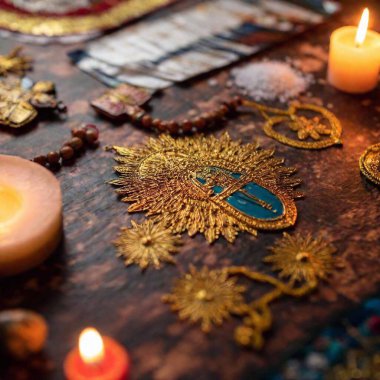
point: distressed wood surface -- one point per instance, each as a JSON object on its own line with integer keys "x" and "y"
{"x": 84, "y": 284}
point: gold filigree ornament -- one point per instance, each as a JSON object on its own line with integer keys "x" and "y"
{"x": 369, "y": 163}
{"x": 147, "y": 244}
{"x": 320, "y": 131}
{"x": 214, "y": 186}
{"x": 15, "y": 63}
{"x": 21, "y": 99}
{"x": 209, "y": 296}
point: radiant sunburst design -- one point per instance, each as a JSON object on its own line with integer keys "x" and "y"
{"x": 147, "y": 244}
{"x": 205, "y": 296}
{"x": 302, "y": 258}
{"x": 207, "y": 185}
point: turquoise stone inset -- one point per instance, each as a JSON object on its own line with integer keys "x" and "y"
{"x": 252, "y": 199}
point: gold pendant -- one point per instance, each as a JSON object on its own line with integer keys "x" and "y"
{"x": 214, "y": 186}
{"x": 321, "y": 131}
{"x": 209, "y": 297}
{"x": 369, "y": 163}
{"x": 20, "y": 100}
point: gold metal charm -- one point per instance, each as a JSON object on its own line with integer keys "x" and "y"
{"x": 14, "y": 63}
{"x": 214, "y": 186}
{"x": 369, "y": 163}
{"x": 318, "y": 132}
{"x": 147, "y": 244}
{"x": 211, "y": 296}
{"x": 19, "y": 103}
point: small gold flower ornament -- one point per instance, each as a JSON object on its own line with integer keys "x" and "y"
{"x": 147, "y": 244}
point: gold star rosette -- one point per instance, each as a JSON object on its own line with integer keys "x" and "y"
{"x": 321, "y": 130}
{"x": 208, "y": 185}
{"x": 147, "y": 244}
{"x": 369, "y": 163}
{"x": 211, "y": 296}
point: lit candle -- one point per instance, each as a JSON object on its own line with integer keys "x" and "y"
{"x": 97, "y": 358}
{"x": 30, "y": 214}
{"x": 354, "y": 60}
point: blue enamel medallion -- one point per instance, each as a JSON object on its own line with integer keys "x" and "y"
{"x": 251, "y": 199}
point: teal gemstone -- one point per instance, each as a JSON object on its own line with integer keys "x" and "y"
{"x": 252, "y": 199}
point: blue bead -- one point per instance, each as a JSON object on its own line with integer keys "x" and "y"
{"x": 373, "y": 305}
{"x": 335, "y": 352}
{"x": 364, "y": 330}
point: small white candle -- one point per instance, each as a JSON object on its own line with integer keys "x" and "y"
{"x": 30, "y": 214}
{"x": 354, "y": 60}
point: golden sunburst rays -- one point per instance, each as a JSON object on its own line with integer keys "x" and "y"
{"x": 188, "y": 183}
{"x": 147, "y": 244}
{"x": 206, "y": 296}
{"x": 302, "y": 258}
{"x": 209, "y": 297}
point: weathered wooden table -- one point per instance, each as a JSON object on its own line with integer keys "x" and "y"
{"x": 85, "y": 284}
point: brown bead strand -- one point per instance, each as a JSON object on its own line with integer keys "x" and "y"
{"x": 87, "y": 135}
{"x": 196, "y": 124}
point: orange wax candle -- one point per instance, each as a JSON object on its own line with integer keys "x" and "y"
{"x": 30, "y": 214}
{"x": 97, "y": 358}
{"x": 354, "y": 60}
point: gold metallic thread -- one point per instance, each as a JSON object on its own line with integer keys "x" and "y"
{"x": 159, "y": 178}
{"x": 209, "y": 297}
{"x": 40, "y": 25}
{"x": 369, "y": 163}
{"x": 321, "y": 135}
{"x": 147, "y": 244}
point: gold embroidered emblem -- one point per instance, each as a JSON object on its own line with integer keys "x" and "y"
{"x": 214, "y": 186}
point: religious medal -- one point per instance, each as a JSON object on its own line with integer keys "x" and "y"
{"x": 209, "y": 297}
{"x": 370, "y": 163}
{"x": 214, "y": 186}
{"x": 21, "y": 99}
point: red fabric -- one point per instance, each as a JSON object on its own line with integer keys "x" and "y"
{"x": 98, "y": 7}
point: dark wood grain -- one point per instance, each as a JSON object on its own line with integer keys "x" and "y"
{"x": 85, "y": 284}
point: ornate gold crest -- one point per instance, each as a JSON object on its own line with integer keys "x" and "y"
{"x": 209, "y": 297}
{"x": 320, "y": 131}
{"x": 370, "y": 163}
{"x": 20, "y": 100}
{"x": 147, "y": 244}
{"x": 214, "y": 186}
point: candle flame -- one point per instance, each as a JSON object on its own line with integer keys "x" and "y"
{"x": 362, "y": 29}
{"x": 91, "y": 346}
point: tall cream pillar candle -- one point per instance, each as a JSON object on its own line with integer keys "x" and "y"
{"x": 354, "y": 60}
{"x": 30, "y": 214}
